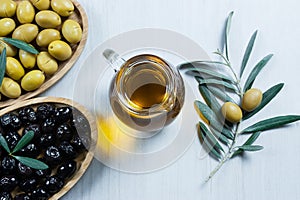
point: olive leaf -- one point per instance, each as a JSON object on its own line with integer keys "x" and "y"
{"x": 248, "y": 52}
{"x": 21, "y": 45}
{"x": 2, "y": 65}
{"x": 212, "y": 118}
{"x": 227, "y": 30}
{"x": 210, "y": 147}
{"x": 33, "y": 163}
{"x": 250, "y": 141}
{"x": 4, "y": 144}
{"x": 267, "y": 97}
{"x": 24, "y": 141}
{"x": 259, "y": 66}
{"x": 251, "y": 147}
{"x": 210, "y": 100}
{"x": 222, "y": 95}
{"x": 210, "y": 137}
{"x": 217, "y": 83}
{"x": 194, "y": 64}
{"x": 220, "y": 136}
{"x": 212, "y": 73}
{"x": 271, "y": 123}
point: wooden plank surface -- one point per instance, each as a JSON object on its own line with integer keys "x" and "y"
{"x": 270, "y": 174}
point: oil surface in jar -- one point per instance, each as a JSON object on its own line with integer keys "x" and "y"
{"x": 148, "y": 95}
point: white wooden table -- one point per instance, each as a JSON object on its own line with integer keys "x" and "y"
{"x": 270, "y": 174}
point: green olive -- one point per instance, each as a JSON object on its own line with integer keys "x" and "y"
{"x": 25, "y": 12}
{"x": 27, "y": 59}
{"x": 47, "y": 63}
{"x": 14, "y": 69}
{"x": 7, "y": 26}
{"x": 41, "y": 4}
{"x": 33, "y": 80}
{"x": 60, "y": 50}
{"x": 63, "y": 7}
{"x": 232, "y": 112}
{"x": 251, "y": 99}
{"x": 10, "y": 88}
{"x": 46, "y": 36}
{"x": 48, "y": 19}
{"x": 7, "y": 8}
{"x": 11, "y": 51}
{"x": 26, "y": 32}
{"x": 72, "y": 31}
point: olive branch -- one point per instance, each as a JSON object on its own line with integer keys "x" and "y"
{"x": 215, "y": 130}
{"x": 30, "y": 162}
{"x": 16, "y": 43}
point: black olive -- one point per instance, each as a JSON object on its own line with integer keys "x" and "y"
{"x": 80, "y": 143}
{"x": 45, "y": 111}
{"x": 48, "y": 125}
{"x": 31, "y": 150}
{"x": 22, "y": 196}
{"x": 24, "y": 170}
{"x": 36, "y": 130}
{"x": 63, "y": 114}
{"x": 5, "y": 196}
{"x": 53, "y": 184}
{"x": 67, "y": 169}
{"x": 8, "y": 183}
{"x": 40, "y": 194}
{"x": 67, "y": 150}
{"x": 53, "y": 155}
{"x": 27, "y": 115}
{"x": 12, "y": 138}
{"x": 43, "y": 173}
{"x": 10, "y": 121}
{"x": 46, "y": 140}
{"x": 28, "y": 184}
{"x": 8, "y": 165}
{"x": 64, "y": 132}
{"x": 80, "y": 124}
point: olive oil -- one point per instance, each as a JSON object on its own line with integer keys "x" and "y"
{"x": 148, "y": 95}
{"x": 143, "y": 96}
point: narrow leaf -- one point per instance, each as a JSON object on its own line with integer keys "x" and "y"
{"x": 217, "y": 83}
{"x": 271, "y": 123}
{"x": 24, "y": 141}
{"x": 215, "y": 144}
{"x": 259, "y": 66}
{"x": 220, "y": 136}
{"x": 207, "y": 145}
{"x": 4, "y": 144}
{"x": 195, "y": 64}
{"x": 212, "y": 118}
{"x": 33, "y": 163}
{"x": 250, "y": 141}
{"x": 21, "y": 45}
{"x": 251, "y": 147}
{"x": 210, "y": 99}
{"x": 248, "y": 52}
{"x": 222, "y": 95}
{"x": 214, "y": 74}
{"x": 2, "y": 65}
{"x": 267, "y": 97}
{"x": 227, "y": 30}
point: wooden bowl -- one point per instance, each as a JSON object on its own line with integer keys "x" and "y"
{"x": 80, "y": 16}
{"x": 83, "y": 160}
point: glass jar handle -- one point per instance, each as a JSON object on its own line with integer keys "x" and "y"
{"x": 113, "y": 58}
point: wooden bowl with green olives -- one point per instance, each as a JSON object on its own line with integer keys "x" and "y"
{"x": 57, "y": 138}
{"x": 56, "y": 29}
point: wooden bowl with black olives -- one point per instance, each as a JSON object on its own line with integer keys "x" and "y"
{"x": 46, "y": 146}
